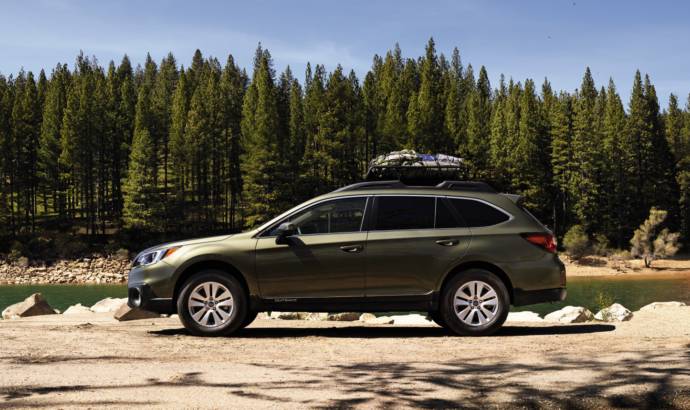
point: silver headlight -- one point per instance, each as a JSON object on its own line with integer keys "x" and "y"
{"x": 149, "y": 258}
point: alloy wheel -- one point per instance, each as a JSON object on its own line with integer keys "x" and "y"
{"x": 476, "y": 303}
{"x": 210, "y": 304}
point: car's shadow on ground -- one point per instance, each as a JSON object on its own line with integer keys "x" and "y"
{"x": 397, "y": 331}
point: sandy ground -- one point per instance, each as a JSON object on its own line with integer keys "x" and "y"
{"x": 92, "y": 361}
{"x": 602, "y": 266}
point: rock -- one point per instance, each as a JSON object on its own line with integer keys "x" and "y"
{"x": 661, "y": 305}
{"x": 614, "y": 313}
{"x": 317, "y": 316}
{"x": 367, "y": 317}
{"x": 344, "y": 317}
{"x": 412, "y": 319}
{"x": 23, "y": 262}
{"x": 381, "y": 320}
{"x": 570, "y": 314}
{"x": 34, "y": 305}
{"x": 122, "y": 255}
{"x": 108, "y": 305}
{"x": 289, "y": 315}
{"x": 524, "y": 317}
{"x": 125, "y": 313}
{"x": 77, "y": 309}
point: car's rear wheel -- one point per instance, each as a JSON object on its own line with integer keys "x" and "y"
{"x": 212, "y": 303}
{"x": 475, "y": 303}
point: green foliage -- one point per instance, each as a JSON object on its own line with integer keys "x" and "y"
{"x": 650, "y": 242}
{"x": 166, "y": 151}
{"x": 576, "y": 242}
{"x": 601, "y": 245}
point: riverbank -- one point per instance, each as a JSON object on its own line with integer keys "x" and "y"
{"x": 90, "y": 270}
{"x": 613, "y": 266}
{"x": 93, "y": 361}
{"x": 114, "y": 269}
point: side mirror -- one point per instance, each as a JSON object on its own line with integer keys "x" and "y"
{"x": 285, "y": 230}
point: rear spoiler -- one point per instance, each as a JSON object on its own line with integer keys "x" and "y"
{"x": 517, "y": 199}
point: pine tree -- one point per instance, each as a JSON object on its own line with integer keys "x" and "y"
{"x": 425, "y": 113}
{"x": 261, "y": 162}
{"x": 233, "y": 84}
{"x": 586, "y": 187}
{"x": 563, "y": 167}
{"x": 617, "y": 159}
{"x": 26, "y": 129}
{"x": 479, "y": 126}
{"x": 7, "y": 223}
{"x": 143, "y": 208}
{"x": 49, "y": 145}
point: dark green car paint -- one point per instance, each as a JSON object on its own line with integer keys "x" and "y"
{"x": 397, "y": 269}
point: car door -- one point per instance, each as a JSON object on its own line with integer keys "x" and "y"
{"x": 411, "y": 244}
{"x": 325, "y": 259}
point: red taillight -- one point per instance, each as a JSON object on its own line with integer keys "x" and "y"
{"x": 545, "y": 241}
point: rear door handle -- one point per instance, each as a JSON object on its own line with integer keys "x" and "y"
{"x": 447, "y": 242}
{"x": 352, "y": 248}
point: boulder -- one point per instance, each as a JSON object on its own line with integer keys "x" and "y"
{"x": 412, "y": 319}
{"x": 570, "y": 314}
{"x": 614, "y": 313}
{"x": 317, "y": 316}
{"x": 289, "y": 315}
{"x": 344, "y": 316}
{"x": 367, "y": 317}
{"x": 125, "y": 313}
{"x": 34, "y": 305}
{"x": 661, "y": 305}
{"x": 108, "y": 305}
{"x": 524, "y": 317}
{"x": 77, "y": 309}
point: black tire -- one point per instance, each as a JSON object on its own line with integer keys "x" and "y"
{"x": 235, "y": 318}
{"x": 477, "y": 328}
{"x": 251, "y": 316}
{"x": 437, "y": 317}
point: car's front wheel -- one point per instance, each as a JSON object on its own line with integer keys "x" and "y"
{"x": 475, "y": 303}
{"x": 212, "y": 303}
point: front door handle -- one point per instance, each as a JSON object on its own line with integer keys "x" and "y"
{"x": 352, "y": 248}
{"x": 448, "y": 242}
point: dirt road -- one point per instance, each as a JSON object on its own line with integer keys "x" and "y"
{"x": 63, "y": 362}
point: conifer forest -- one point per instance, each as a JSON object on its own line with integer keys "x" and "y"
{"x": 122, "y": 153}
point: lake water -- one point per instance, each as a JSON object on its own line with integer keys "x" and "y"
{"x": 632, "y": 292}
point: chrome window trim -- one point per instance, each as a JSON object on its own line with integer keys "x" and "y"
{"x": 260, "y": 234}
{"x": 509, "y": 215}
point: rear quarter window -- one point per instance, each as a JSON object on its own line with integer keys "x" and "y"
{"x": 477, "y": 213}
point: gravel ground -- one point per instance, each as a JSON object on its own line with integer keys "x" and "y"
{"x": 92, "y": 361}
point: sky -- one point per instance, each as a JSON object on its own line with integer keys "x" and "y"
{"x": 521, "y": 39}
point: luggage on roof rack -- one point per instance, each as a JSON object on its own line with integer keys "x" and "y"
{"x": 413, "y": 167}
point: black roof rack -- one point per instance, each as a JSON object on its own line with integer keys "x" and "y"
{"x": 394, "y": 184}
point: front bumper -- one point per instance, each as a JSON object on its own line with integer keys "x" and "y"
{"x": 142, "y": 296}
{"x": 531, "y": 297}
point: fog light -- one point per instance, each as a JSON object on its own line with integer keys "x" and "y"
{"x": 134, "y": 297}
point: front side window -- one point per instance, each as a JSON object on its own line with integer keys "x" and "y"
{"x": 338, "y": 215}
{"x": 404, "y": 212}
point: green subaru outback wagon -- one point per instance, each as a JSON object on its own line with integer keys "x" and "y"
{"x": 458, "y": 250}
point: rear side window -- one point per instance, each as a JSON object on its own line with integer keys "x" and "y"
{"x": 476, "y": 213}
{"x": 404, "y": 212}
{"x": 446, "y": 217}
